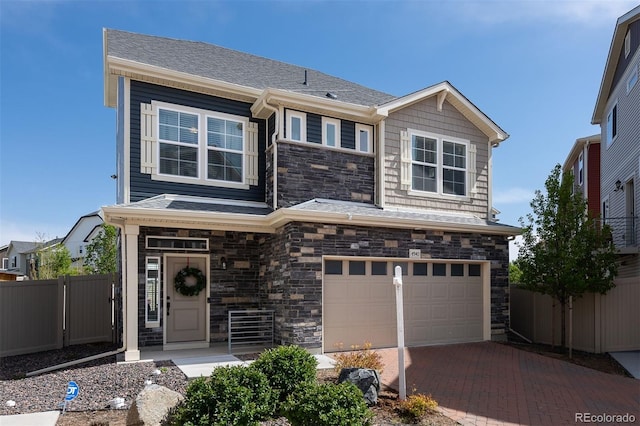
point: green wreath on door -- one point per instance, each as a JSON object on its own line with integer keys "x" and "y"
{"x": 190, "y": 281}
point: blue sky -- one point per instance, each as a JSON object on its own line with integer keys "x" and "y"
{"x": 534, "y": 67}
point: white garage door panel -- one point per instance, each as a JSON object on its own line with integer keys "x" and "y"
{"x": 361, "y": 308}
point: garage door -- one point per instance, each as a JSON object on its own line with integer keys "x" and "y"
{"x": 443, "y": 303}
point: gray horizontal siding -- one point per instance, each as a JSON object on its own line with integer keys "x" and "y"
{"x": 424, "y": 116}
{"x": 142, "y": 186}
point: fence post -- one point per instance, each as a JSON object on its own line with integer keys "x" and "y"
{"x": 61, "y": 337}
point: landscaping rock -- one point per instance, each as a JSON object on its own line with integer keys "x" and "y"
{"x": 366, "y": 379}
{"x": 151, "y": 405}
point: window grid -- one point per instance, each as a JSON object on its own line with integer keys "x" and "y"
{"x": 439, "y": 165}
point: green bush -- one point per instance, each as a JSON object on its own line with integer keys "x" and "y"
{"x": 230, "y": 396}
{"x": 286, "y": 367}
{"x": 327, "y": 404}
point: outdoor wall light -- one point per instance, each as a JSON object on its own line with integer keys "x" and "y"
{"x": 223, "y": 262}
{"x": 619, "y": 186}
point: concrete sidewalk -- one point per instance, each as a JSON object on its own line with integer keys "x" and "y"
{"x": 630, "y": 360}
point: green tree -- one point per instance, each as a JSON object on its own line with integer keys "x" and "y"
{"x": 565, "y": 252}
{"x": 53, "y": 261}
{"x": 102, "y": 252}
{"x": 515, "y": 273}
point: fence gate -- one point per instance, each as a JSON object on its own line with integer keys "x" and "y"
{"x": 88, "y": 309}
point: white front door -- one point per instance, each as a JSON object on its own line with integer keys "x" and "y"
{"x": 185, "y": 316}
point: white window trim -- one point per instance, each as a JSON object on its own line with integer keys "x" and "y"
{"x": 303, "y": 125}
{"x": 156, "y": 323}
{"x": 5, "y": 263}
{"x": 627, "y": 43}
{"x": 369, "y": 130}
{"x": 202, "y": 147}
{"x": 337, "y": 132}
{"x": 440, "y": 165}
{"x": 581, "y": 168}
{"x": 604, "y": 214}
{"x": 610, "y": 138}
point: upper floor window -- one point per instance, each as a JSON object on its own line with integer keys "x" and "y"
{"x": 580, "y": 168}
{"x": 331, "y": 132}
{"x": 296, "y": 126}
{"x": 627, "y": 43}
{"x": 612, "y": 124}
{"x": 438, "y": 164}
{"x": 363, "y": 138}
{"x": 5, "y": 263}
{"x": 197, "y": 146}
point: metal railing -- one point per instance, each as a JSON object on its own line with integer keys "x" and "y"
{"x": 250, "y": 328}
{"x": 624, "y": 231}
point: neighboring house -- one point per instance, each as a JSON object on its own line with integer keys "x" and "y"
{"x": 4, "y": 259}
{"x": 617, "y": 111}
{"x": 80, "y": 235}
{"x": 298, "y": 192}
{"x": 584, "y": 162}
{"x": 18, "y": 255}
{"x": 34, "y": 257}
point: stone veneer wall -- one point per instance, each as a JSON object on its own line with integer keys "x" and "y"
{"x": 307, "y": 172}
{"x": 233, "y": 288}
{"x": 292, "y": 269}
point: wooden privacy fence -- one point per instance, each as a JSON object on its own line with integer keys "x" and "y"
{"x": 50, "y": 314}
{"x": 601, "y": 323}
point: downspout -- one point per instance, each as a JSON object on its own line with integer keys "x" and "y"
{"x": 381, "y": 164}
{"x": 275, "y": 152}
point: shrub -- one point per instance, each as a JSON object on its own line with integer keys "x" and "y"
{"x": 231, "y": 395}
{"x": 358, "y": 357}
{"x": 286, "y": 367}
{"x": 327, "y": 404}
{"x": 417, "y": 405}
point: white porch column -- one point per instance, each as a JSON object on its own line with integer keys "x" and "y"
{"x": 131, "y": 233}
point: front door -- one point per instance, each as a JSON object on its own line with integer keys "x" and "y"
{"x": 185, "y": 316}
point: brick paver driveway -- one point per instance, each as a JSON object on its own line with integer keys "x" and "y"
{"x": 493, "y": 384}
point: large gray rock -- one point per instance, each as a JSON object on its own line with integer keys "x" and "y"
{"x": 151, "y": 405}
{"x": 366, "y": 379}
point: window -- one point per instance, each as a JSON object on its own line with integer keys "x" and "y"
{"x": 333, "y": 267}
{"x": 580, "y": 168}
{"x": 331, "y": 132}
{"x": 457, "y": 270}
{"x": 439, "y": 269}
{"x": 357, "y": 267}
{"x": 14, "y": 262}
{"x": 612, "y": 124}
{"x": 627, "y": 43}
{"x": 633, "y": 79}
{"x": 5, "y": 263}
{"x": 403, "y": 265}
{"x": 438, "y": 164}
{"x": 378, "y": 268}
{"x": 605, "y": 210}
{"x": 169, "y": 243}
{"x": 152, "y": 292}
{"x": 474, "y": 270}
{"x": 224, "y": 149}
{"x": 419, "y": 269}
{"x": 198, "y": 146}
{"x": 363, "y": 138}
{"x": 296, "y": 126}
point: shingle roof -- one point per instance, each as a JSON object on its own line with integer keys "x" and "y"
{"x": 170, "y": 202}
{"x": 212, "y": 61}
{"x": 331, "y": 206}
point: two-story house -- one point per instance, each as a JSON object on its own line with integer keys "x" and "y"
{"x": 81, "y": 234}
{"x": 584, "y": 162}
{"x": 617, "y": 111}
{"x": 244, "y": 183}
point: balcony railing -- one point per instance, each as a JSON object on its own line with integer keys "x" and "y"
{"x": 624, "y": 231}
